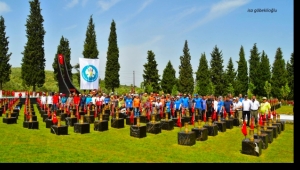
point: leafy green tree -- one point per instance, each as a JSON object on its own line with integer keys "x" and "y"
{"x": 90, "y": 49}
{"x": 112, "y": 77}
{"x": 151, "y": 76}
{"x": 202, "y": 76}
{"x": 149, "y": 88}
{"x": 64, "y": 49}
{"x": 290, "y": 76}
{"x": 241, "y": 86}
{"x": 168, "y": 78}
{"x": 279, "y": 75}
{"x": 251, "y": 88}
{"x": 254, "y": 73}
{"x": 216, "y": 71}
{"x": 268, "y": 88}
{"x": 230, "y": 89}
{"x": 174, "y": 90}
{"x": 186, "y": 80}
{"x": 229, "y": 76}
{"x": 211, "y": 88}
{"x": 285, "y": 91}
{"x": 265, "y": 74}
{"x": 33, "y": 61}
{"x": 5, "y": 67}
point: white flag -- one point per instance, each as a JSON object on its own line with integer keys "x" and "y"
{"x": 89, "y": 74}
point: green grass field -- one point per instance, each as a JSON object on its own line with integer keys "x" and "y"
{"x": 22, "y": 145}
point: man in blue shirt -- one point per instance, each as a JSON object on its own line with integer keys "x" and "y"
{"x": 198, "y": 105}
{"x": 203, "y": 106}
{"x": 227, "y": 105}
{"x": 82, "y": 101}
{"x": 128, "y": 103}
{"x": 220, "y": 106}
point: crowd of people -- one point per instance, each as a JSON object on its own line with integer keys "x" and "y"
{"x": 239, "y": 107}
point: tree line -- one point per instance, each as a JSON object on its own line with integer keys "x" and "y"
{"x": 255, "y": 76}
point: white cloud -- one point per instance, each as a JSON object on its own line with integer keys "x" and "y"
{"x": 72, "y": 3}
{"x": 220, "y": 9}
{"x": 4, "y": 7}
{"x": 143, "y": 6}
{"x": 107, "y": 4}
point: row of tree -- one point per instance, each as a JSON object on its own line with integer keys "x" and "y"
{"x": 260, "y": 78}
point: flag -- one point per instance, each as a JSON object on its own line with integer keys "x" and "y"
{"x": 54, "y": 119}
{"x": 60, "y": 59}
{"x": 193, "y": 120}
{"x": 260, "y": 121}
{"x": 214, "y": 117}
{"x": 204, "y": 117}
{"x": 131, "y": 118}
{"x": 89, "y": 74}
{"x": 269, "y": 115}
{"x": 252, "y": 123}
{"x": 161, "y": 112}
{"x": 224, "y": 113}
{"x": 179, "y": 121}
{"x": 244, "y": 128}
{"x": 95, "y": 112}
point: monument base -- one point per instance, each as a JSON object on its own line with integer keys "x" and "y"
{"x": 186, "y": 138}
{"x": 71, "y": 120}
{"x": 10, "y": 120}
{"x": 212, "y": 130}
{"x": 274, "y": 128}
{"x": 252, "y": 148}
{"x": 82, "y": 128}
{"x": 201, "y": 134}
{"x": 221, "y": 126}
{"x": 265, "y": 139}
{"x": 154, "y": 128}
{"x": 101, "y": 125}
{"x": 229, "y": 123}
{"x": 31, "y": 125}
{"x": 270, "y": 134}
{"x": 61, "y": 130}
{"x": 128, "y": 121}
{"x": 117, "y": 123}
{"x": 138, "y": 131}
{"x": 167, "y": 124}
{"x": 49, "y": 123}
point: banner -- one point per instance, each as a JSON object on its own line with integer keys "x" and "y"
{"x": 89, "y": 74}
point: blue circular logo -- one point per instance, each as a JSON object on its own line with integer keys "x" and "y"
{"x": 89, "y": 73}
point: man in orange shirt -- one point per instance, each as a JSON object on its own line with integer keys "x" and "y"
{"x": 136, "y": 106}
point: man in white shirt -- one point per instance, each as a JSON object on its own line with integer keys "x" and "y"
{"x": 43, "y": 100}
{"x": 237, "y": 109}
{"x": 49, "y": 100}
{"x": 246, "y": 104}
{"x": 254, "y": 109}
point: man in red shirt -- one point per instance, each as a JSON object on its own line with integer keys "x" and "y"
{"x": 20, "y": 95}
{"x": 76, "y": 99}
{"x": 55, "y": 101}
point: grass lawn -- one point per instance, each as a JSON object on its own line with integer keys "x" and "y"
{"x": 285, "y": 109}
{"x": 22, "y": 145}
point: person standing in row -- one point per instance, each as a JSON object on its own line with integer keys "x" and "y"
{"x": 246, "y": 104}
{"x": 254, "y": 109}
{"x": 265, "y": 107}
{"x": 198, "y": 105}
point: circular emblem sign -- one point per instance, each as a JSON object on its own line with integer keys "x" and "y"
{"x": 89, "y": 73}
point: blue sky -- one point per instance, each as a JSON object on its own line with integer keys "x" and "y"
{"x": 158, "y": 25}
